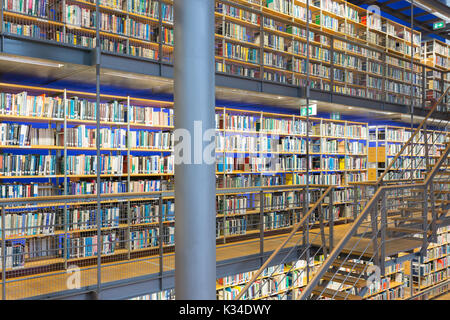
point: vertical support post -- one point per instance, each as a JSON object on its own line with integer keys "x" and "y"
{"x": 1, "y": 27}
{"x": 261, "y": 227}
{"x": 306, "y": 233}
{"x": 425, "y": 221}
{"x": 161, "y": 241}
{"x": 97, "y": 91}
{"x": 432, "y": 197}
{"x": 331, "y": 65}
{"x": 3, "y": 255}
{"x": 128, "y": 230}
{"x": 383, "y": 227}
{"x": 225, "y": 212}
{"x": 66, "y": 219}
{"x": 322, "y": 228}
{"x": 412, "y": 85}
{"x": 261, "y": 50}
{"x": 424, "y": 75}
{"x": 160, "y": 42}
{"x": 355, "y": 201}
{"x": 331, "y": 227}
{"x": 307, "y": 105}
{"x": 195, "y": 252}
{"x": 373, "y": 218}
{"x": 425, "y": 137}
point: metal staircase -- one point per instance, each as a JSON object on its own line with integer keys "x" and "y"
{"x": 392, "y": 219}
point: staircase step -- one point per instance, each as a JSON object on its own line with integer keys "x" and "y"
{"x": 358, "y": 267}
{"x": 330, "y": 293}
{"x": 404, "y": 230}
{"x": 342, "y": 278}
{"x": 406, "y": 219}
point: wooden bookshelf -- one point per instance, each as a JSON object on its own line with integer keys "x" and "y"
{"x": 432, "y": 269}
{"x": 386, "y": 141}
{"x": 257, "y": 41}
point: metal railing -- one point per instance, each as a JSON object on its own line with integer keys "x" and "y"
{"x": 54, "y": 254}
{"x": 368, "y": 236}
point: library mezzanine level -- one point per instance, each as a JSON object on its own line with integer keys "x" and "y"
{"x": 330, "y": 171}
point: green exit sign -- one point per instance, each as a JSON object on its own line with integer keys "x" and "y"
{"x": 438, "y": 25}
{"x": 312, "y": 110}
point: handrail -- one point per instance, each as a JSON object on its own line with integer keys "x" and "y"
{"x": 421, "y": 293}
{"x": 221, "y": 191}
{"x": 380, "y": 179}
{"x": 356, "y": 224}
{"x": 281, "y": 246}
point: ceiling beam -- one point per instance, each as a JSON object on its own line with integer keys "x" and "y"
{"x": 406, "y": 18}
{"x": 422, "y": 14}
{"x": 360, "y": 2}
{"x": 432, "y": 20}
{"x": 390, "y": 2}
{"x": 436, "y": 6}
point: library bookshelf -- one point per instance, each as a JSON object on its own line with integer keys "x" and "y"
{"x": 255, "y": 149}
{"x": 286, "y": 281}
{"x": 48, "y": 139}
{"x": 386, "y": 141}
{"x": 351, "y": 53}
{"x": 427, "y": 272}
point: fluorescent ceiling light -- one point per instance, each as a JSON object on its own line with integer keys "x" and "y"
{"x": 31, "y": 61}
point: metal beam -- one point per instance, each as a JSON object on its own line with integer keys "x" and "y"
{"x": 195, "y": 185}
{"x": 404, "y": 17}
{"x": 389, "y": 2}
{"x": 422, "y": 14}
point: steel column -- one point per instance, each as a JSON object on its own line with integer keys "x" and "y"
{"x": 194, "y": 88}
{"x": 97, "y": 91}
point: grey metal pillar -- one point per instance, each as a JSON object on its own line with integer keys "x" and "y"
{"x": 194, "y": 94}
{"x": 98, "y": 215}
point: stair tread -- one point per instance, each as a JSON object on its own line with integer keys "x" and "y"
{"x": 407, "y": 219}
{"x": 330, "y": 293}
{"x": 359, "y": 267}
{"x": 404, "y": 230}
{"x": 341, "y": 278}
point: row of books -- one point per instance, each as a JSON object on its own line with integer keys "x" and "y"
{"x": 16, "y": 190}
{"x": 30, "y": 165}
{"x": 276, "y": 220}
{"x": 238, "y": 13}
{"x": 232, "y": 205}
{"x": 238, "y": 32}
{"x": 23, "y": 104}
{"x": 150, "y": 212}
{"x": 347, "y": 163}
{"x": 428, "y": 268}
{"x": 14, "y": 134}
{"x": 87, "y": 165}
{"x": 235, "y": 226}
{"x": 239, "y": 52}
{"x": 260, "y": 144}
{"x": 43, "y": 222}
{"x": 238, "y": 70}
{"x": 82, "y": 247}
{"x": 114, "y": 187}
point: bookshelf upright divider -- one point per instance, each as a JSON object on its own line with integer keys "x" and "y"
{"x": 66, "y": 214}
{"x": 128, "y": 229}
